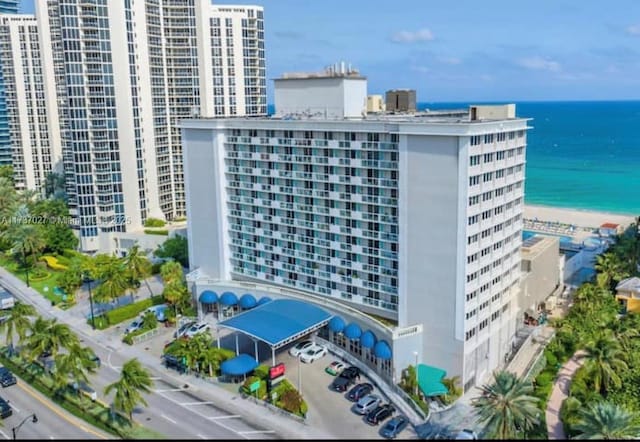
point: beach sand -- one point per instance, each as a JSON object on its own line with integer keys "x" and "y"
{"x": 578, "y": 218}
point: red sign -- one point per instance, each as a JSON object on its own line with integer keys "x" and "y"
{"x": 276, "y": 370}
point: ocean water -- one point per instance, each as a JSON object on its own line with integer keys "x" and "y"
{"x": 580, "y": 154}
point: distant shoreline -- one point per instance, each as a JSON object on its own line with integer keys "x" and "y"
{"x": 577, "y": 217}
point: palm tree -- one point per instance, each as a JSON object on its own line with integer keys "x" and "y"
{"x": 610, "y": 269}
{"x": 27, "y": 242}
{"x": 114, "y": 280}
{"x": 176, "y": 294}
{"x": 50, "y": 336}
{"x": 606, "y": 421}
{"x": 506, "y": 406}
{"x": 171, "y": 271}
{"x": 138, "y": 266}
{"x": 134, "y": 380}
{"x": 73, "y": 365}
{"x": 604, "y": 359}
{"x": 453, "y": 387}
{"x": 17, "y": 321}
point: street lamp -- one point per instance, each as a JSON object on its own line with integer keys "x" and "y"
{"x": 14, "y": 430}
{"x": 299, "y": 376}
{"x": 415, "y": 353}
{"x": 86, "y": 279}
{"x": 26, "y": 266}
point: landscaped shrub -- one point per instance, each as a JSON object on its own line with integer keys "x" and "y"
{"x": 52, "y": 263}
{"x": 552, "y": 360}
{"x": 38, "y": 274}
{"x": 120, "y": 314}
{"x": 545, "y": 378}
{"x": 63, "y": 260}
{"x": 155, "y": 268}
{"x": 261, "y": 371}
{"x": 154, "y": 222}
{"x": 156, "y": 232}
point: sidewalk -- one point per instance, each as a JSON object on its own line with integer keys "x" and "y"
{"x": 559, "y": 393}
{"x": 230, "y": 402}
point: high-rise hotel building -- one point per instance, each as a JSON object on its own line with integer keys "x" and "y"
{"x": 127, "y": 72}
{"x": 6, "y": 7}
{"x": 416, "y": 218}
{"x": 30, "y": 100}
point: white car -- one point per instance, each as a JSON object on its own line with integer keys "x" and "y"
{"x": 299, "y": 348}
{"x": 183, "y": 329}
{"x": 313, "y": 353}
{"x": 135, "y": 325}
{"x": 197, "y": 328}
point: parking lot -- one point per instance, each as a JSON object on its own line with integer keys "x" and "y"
{"x": 329, "y": 410}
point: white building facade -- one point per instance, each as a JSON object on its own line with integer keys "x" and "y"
{"x": 414, "y": 219}
{"x": 31, "y": 102}
{"x": 126, "y": 74}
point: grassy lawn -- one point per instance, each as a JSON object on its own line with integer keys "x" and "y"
{"x": 43, "y": 286}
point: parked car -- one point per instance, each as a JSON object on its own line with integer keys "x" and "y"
{"x": 346, "y": 378}
{"x": 381, "y": 413}
{"x": 197, "y": 328}
{"x": 359, "y": 391}
{"x": 7, "y": 301}
{"x": 313, "y": 353}
{"x": 466, "y": 435}
{"x": 300, "y": 347}
{"x": 367, "y": 404}
{"x": 335, "y": 368}
{"x": 85, "y": 389}
{"x": 45, "y": 360}
{"x": 159, "y": 310}
{"x": 136, "y": 324}
{"x": 5, "y": 409}
{"x": 6, "y": 377}
{"x": 95, "y": 359}
{"x": 171, "y": 361}
{"x": 183, "y": 329}
{"x": 394, "y": 427}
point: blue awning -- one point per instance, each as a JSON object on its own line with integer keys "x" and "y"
{"x": 248, "y": 301}
{"x": 352, "y": 331}
{"x": 368, "y": 339}
{"x": 208, "y": 297}
{"x": 264, "y": 300}
{"x": 336, "y": 324}
{"x": 241, "y": 364}
{"x": 382, "y": 350}
{"x": 228, "y": 298}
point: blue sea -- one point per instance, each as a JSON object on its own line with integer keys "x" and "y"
{"x": 581, "y": 154}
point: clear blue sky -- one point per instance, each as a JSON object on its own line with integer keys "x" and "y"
{"x": 464, "y": 50}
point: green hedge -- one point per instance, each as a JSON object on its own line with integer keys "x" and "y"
{"x": 154, "y": 222}
{"x": 128, "y": 338}
{"x": 164, "y": 232}
{"x": 117, "y": 315}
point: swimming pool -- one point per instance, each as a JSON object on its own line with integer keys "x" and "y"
{"x": 564, "y": 240}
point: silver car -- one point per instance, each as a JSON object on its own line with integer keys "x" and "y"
{"x": 368, "y": 403}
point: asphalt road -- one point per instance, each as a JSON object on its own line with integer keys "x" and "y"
{"x": 53, "y": 422}
{"x": 174, "y": 411}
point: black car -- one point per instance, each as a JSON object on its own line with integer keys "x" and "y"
{"x": 171, "y": 361}
{"x": 346, "y": 378}
{"x": 359, "y": 391}
{"x": 6, "y": 377}
{"x": 95, "y": 359}
{"x": 381, "y": 413}
{"x": 5, "y": 409}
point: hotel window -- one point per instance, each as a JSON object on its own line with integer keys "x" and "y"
{"x": 473, "y": 219}
{"x": 474, "y": 160}
{"x": 500, "y": 155}
{"x": 488, "y": 176}
{"x": 472, "y": 239}
{"x": 488, "y": 138}
{"x": 500, "y": 173}
{"x": 501, "y": 136}
{"x": 475, "y": 140}
{"x": 474, "y": 180}
{"x": 483, "y": 324}
{"x": 474, "y": 200}
{"x": 472, "y": 258}
{"x": 470, "y": 334}
{"x": 488, "y": 157}
{"x": 472, "y": 276}
{"x": 472, "y": 295}
{"x": 512, "y": 135}
{"x": 471, "y": 314}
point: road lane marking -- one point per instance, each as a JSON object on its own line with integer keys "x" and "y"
{"x": 28, "y": 389}
{"x": 169, "y": 419}
{"x": 167, "y": 390}
{"x": 256, "y": 432}
{"x": 186, "y": 404}
{"x": 231, "y": 416}
{"x": 201, "y": 436}
{"x": 14, "y": 407}
{"x": 4, "y": 434}
{"x": 194, "y": 411}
